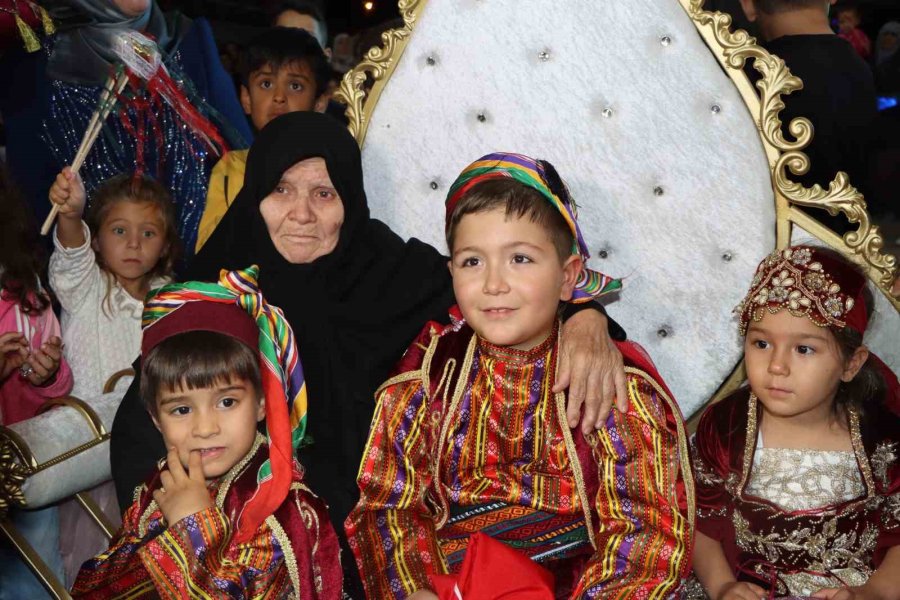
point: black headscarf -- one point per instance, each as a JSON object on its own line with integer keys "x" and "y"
{"x": 84, "y": 47}
{"x": 354, "y": 311}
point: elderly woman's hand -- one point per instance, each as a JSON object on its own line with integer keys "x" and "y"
{"x": 591, "y": 368}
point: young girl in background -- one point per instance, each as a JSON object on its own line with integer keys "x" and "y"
{"x": 32, "y": 371}
{"x": 798, "y": 483}
{"x": 101, "y": 270}
{"x": 31, "y": 366}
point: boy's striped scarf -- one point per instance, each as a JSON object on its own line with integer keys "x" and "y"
{"x": 541, "y": 176}
{"x": 284, "y": 387}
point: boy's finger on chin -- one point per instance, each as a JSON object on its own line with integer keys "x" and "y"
{"x": 166, "y": 483}
{"x": 195, "y": 466}
{"x": 173, "y": 463}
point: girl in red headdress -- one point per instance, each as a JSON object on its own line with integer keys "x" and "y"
{"x": 798, "y": 483}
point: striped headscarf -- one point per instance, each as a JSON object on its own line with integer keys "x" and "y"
{"x": 284, "y": 387}
{"x": 539, "y": 175}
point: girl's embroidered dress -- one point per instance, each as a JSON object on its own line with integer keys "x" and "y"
{"x": 795, "y": 521}
{"x": 468, "y": 437}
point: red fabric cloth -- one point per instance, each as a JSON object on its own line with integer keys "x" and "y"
{"x": 724, "y": 435}
{"x": 493, "y": 571}
{"x": 860, "y": 42}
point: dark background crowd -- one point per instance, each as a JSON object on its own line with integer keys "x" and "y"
{"x": 169, "y": 190}
{"x": 349, "y": 28}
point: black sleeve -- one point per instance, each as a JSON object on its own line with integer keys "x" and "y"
{"x": 616, "y": 331}
{"x": 136, "y": 445}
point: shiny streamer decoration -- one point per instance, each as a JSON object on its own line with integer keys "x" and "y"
{"x": 142, "y": 60}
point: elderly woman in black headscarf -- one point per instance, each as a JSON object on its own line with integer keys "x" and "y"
{"x": 355, "y": 294}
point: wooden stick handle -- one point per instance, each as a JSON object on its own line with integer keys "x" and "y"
{"x": 104, "y": 107}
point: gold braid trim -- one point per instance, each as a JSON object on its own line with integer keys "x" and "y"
{"x": 290, "y": 560}
{"x": 684, "y": 455}
{"x": 461, "y": 381}
{"x": 586, "y": 504}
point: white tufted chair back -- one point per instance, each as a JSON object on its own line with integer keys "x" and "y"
{"x": 652, "y": 136}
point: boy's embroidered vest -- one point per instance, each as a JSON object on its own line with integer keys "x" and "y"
{"x": 287, "y": 525}
{"x": 439, "y": 354}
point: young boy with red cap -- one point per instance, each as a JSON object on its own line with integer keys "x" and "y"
{"x": 227, "y": 514}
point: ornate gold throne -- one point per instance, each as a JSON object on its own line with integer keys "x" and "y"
{"x": 677, "y": 161}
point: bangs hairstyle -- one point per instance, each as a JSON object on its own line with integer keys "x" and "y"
{"x": 195, "y": 360}
{"x": 137, "y": 188}
{"x": 518, "y": 200}
{"x": 279, "y": 47}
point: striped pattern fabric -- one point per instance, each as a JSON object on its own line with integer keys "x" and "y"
{"x": 293, "y": 554}
{"x": 533, "y": 173}
{"x": 284, "y": 386}
{"x": 196, "y": 557}
{"x": 502, "y": 441}
{"x": 540, "y": 535}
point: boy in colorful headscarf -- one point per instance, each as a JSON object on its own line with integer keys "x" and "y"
{"x": 227, "y": 514}
{"x": 469, "y": 446}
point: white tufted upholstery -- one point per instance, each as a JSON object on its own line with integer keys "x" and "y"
{"x": 687, "y": 251}
{"x": 69, "y": 430}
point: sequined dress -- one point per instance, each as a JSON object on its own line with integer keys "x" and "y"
{"x": 468, "y": 437}
{"x": 790, "y": 520}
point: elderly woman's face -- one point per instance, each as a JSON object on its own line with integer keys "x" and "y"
{"x": 304, "y": 213}
{"x": 132, "y": 8}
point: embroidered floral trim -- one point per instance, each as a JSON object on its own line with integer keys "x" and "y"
{"x": 818, "y": 547}
{"x": 890, "y": 512}
{"x": 883, "y": 457}
{"x": 791, "y": 279}
{"x": 795, "y": 479}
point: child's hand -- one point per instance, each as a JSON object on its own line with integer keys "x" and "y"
{"x": 423, "y": 595}
{"x": 67, "y": 192}
{"x": 44, "y": 362}
{"x": 13, "y": 350}
{"x": 182, "y": 494}
{"x": 741, "y": 590}
{"x": 845, "y": 593}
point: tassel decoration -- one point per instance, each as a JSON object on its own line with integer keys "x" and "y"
{"x": 31, "y": 41}
{"x": 46, "y": 21}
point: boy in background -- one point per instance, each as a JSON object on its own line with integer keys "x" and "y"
{"x": 838, "y": 94}
{"x": 282, "y": 70}
{"x": 227, "y": 514}
{"x": 468, "y": 440}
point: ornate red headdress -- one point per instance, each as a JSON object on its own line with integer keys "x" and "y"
{"x": 806, "y": 282}
{"x": 811, "y": 283}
